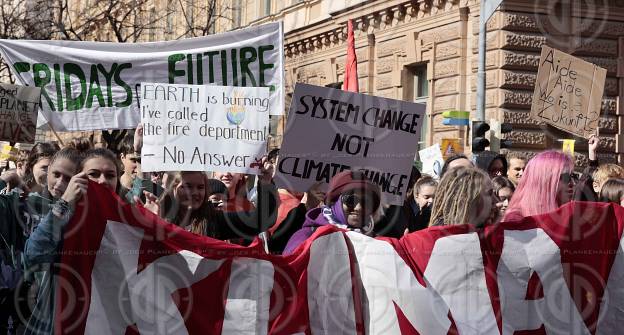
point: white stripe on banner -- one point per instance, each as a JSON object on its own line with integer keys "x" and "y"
{"x": 330, "y": 294}
{"x": 611, "y": 318}
{"x": 249, "y": 297}
{"x": 387, "y": 281}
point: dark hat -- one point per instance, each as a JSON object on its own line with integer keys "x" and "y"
{"x": 346, "y": 181}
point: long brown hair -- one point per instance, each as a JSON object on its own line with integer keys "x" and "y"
{"x": 38, "y": 152}
{"x": 198, "y": 218}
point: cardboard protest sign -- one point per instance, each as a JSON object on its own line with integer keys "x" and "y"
{"x": 203, "y": 128}
{"x": 330, "y": 130}
{"x": 8, "y": 152}
{"x": 95, "y": 85}
{"x": 432, "y": 160}
{"x": 568, "y": 93}
{"x": 18, "y": 113}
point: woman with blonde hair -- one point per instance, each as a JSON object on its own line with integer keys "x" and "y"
{"x": 612, "y": 191}
{"x": 464, "y": 195}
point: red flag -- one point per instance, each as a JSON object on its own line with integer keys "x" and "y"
{"x": 126, "y": 271}
{"x": 351, "y": 75}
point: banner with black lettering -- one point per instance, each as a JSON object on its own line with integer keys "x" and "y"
{"x": 95, "y": 85}
{"x": 125, "y": 271}
{"x": 332, "y": 130}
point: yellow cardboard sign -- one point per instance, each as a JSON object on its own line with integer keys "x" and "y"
{"x": 568, "y": 147}
{"x": 8, "y": 152}
{"x": 450, "y": 147}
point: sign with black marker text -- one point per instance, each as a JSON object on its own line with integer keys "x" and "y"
{"x": 18, "y": 113}
{"x": 331, "y": 130}
{"x": 203, "y": 128}
{"x": 568, "y": 93}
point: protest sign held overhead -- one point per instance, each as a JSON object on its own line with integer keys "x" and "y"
{"x": 432, "y": 160}
{"x": 95, "y": 85}
{"x": 203, "y": 128}
{"x": 331, "y": 130}
{"x": 18, "y": 113}
{"x": 450, "y": 147}
{"x": 568, "y": 93}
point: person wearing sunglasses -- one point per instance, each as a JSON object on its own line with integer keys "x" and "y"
{"x": 547, "y": 183}
{"x": 350, "y": 203}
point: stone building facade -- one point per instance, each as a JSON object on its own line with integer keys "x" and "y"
{"x": 426, "y": 51}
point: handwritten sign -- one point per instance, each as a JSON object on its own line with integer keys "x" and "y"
{"x": 330, "y": 131}
{"x": 568, "y": 93}
{"x": 432, "y": 160}
{"x": 203, "y": 128}
{"x": 18, "y": 112}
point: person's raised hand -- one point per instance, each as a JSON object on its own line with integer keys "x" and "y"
{"x": 267, "y": 170}
{"x": 152, "y": 203}
{"x": 76, "y": 188}
{"x": 314, "y": 196}
{"x": 138, "y": 138}
{"x": 592, "y": 147}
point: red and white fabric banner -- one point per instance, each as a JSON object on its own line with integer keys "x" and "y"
{"x": 125, "y": 271}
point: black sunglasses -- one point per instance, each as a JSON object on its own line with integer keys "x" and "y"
{"x": 568, "y": 177}
{"x": 352, "y": 200}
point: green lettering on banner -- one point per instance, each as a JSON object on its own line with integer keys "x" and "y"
{"x": 211, "y": 55}
{"x": 244, "y": 65}
{"x": 200, "y": 70}
{"x": 234, "y": 68}
{"x": 173, "y": 73}
{"x": 74, "y": 103}
{"x": 224, "y": 67}
{"x": 57, "y": 83}
{"x": 109, "y": 81}
{"x": 21, "y": 67}
{"x": 42, "y": 81}
{"x": 123, "y": 84}
{"x": 189, "y": 68}
{"x": 94, "y": 88}
{"x": 262, "y": 66}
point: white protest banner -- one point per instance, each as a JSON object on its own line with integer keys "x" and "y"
{"x": 18, "y": 113}
{"x": 203, "y": 128}
{"x": 332, "y": 130}
{"x": 95, "y": 85}
{"x": 432, "y": 161}
{"x": 568, "y": 93}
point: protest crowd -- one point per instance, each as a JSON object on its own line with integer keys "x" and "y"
{"x": 229, "y": 195}
{"x": 39, "y": 197}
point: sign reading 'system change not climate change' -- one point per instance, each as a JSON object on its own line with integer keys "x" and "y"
{"x": 95, "y": 85}
{"x": 568, "y": 93}
{"x": 203, "y": 128}
{"x": 331, "y": 130}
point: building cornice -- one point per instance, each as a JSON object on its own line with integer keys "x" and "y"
{"x": 377, "y": 16}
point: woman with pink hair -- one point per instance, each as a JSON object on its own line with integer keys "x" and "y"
{"x": 547, "y": 183}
